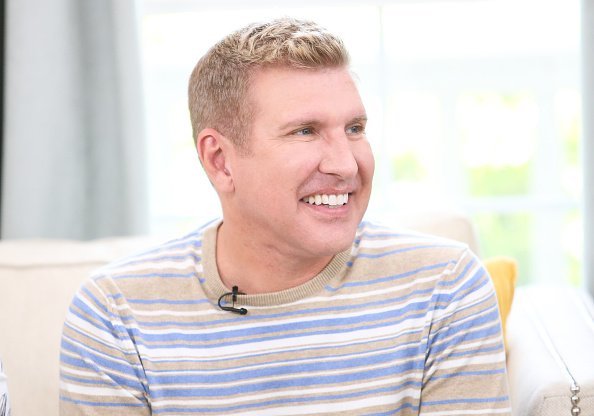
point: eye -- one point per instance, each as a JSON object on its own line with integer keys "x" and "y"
{"x": 305, "y": 131}
{"x": 356, "y": 129}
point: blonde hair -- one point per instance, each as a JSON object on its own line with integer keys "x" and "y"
{"x": 218, "y": 87}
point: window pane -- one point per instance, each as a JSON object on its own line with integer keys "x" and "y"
{"x": 474, "y": 106}
{"x": 498, "y": 134}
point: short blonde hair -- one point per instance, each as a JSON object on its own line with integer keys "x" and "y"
{"x": 219, "y": 83}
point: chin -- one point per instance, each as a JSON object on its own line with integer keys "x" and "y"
{"x": 331, "y": 244}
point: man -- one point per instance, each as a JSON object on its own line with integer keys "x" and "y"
{"x": 289, "y": 305}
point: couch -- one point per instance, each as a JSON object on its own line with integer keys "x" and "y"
{"x": 549, "y": 330}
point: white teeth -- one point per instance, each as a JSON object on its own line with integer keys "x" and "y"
{"x": 330, "y": 200}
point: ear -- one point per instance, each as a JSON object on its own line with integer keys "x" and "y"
{"x": 214, "y": 152}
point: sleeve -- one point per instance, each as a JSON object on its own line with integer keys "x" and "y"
{"x": 100, "y": 369}
{"x": 465, "y": 371}
{"x": 4, "y": 401}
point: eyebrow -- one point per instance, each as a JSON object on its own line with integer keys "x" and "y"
{"x": 359, "y": 119}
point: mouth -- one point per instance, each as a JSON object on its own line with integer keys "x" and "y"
{"x": 327, "y": 200}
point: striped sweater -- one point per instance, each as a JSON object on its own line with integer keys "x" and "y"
{"x": 401, "y": 323}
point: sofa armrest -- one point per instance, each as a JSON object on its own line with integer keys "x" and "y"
{"x": 550, "y": 335}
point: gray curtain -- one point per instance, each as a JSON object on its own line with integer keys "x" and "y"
{"x": 74, "y": 155}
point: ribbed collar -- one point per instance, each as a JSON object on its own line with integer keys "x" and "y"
{"x": 214, "y": 286}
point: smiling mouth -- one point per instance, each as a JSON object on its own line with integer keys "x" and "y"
{"x": 329, "y": 200}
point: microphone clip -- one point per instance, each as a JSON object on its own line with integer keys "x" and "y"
{"x": 233, "y": 294}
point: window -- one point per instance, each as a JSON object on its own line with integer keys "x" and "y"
{"x": 474, "y": 106}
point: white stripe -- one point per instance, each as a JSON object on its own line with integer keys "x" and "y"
{"x": 95, "y": 391}
{"x": 76, "y": 372}
{"x": 395, "y": 243}
{"x": 466, "y": 412}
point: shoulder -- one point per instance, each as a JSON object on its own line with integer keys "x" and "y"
{"x": 375, "y": 240}
{"x": 174, "y": 261}
{"x": 170, "y": 254}
{"x": 408, "y": 257}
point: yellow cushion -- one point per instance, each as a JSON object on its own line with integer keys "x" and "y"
{"x": 504, "y": 273}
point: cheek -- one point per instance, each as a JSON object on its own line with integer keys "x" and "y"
{"x": 296, "y": 164}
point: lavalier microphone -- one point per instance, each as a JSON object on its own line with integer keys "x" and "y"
{"x": 233, "y": 294}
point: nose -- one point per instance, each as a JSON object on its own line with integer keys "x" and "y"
{"x": 338, "y": 157}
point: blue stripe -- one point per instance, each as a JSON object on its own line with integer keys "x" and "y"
{"x": 307, "y": 381}
{"x": 100, "y": 305}
{"x": 470, "y": 373}
{"x": 371, "y": 236}
{"x": 471, "y": 400}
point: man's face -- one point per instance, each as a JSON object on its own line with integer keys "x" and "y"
{"x": 305, "y": 184}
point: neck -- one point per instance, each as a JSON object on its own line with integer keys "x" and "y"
{"x": 257, "y": 267}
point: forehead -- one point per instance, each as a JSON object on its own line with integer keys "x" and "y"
{"x": 281, "y": 93}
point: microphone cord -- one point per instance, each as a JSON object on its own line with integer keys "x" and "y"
{"x": 233, "y": 294}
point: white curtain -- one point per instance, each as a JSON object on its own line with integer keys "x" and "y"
{"x": 588, "y": 138}
{"x": 74, "y": 146}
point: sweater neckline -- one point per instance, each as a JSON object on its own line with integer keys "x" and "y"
{"x": 215, "y": 287}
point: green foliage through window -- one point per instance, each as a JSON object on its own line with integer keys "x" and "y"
{"x": 406, "y": 167}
